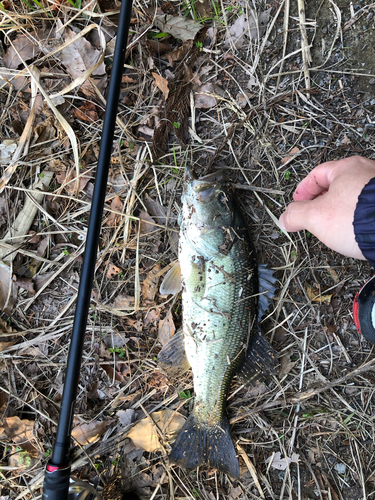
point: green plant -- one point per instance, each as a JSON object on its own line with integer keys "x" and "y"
{"x": 185, "y": 395}
{"x": 118, "y": 350}
{"x": 65, "y": 251}
{"x": 178, "y": 124}
{"x": 287, "y": 175}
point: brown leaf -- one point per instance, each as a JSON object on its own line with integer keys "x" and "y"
{"x": 112, "y": 271}
{"x": 147, "y": 223}
{"x": 26, "y": 47}
{"x": 285, "y": 365}
{"x": 127, "y": 79}
{"x": 116, "y": 205}
{"x": 112, "y": 373}
{"x": 20, "y": 432}
{"x": 315, "y": 295}
{"x": 25, "y": 283}
{"x": 154, "y": 208}
{"x": 79, "y": 56}
{"x": 205, "y": 97}
{"x": 162, "y": 84}
{"x": 289, "y": 157}
{"x": 89, "y": 433}
{"x": 150, "y": 284}
{"x": 180, "y": 53}
{"x": 156, "y": 47}
{"x": 179, "y": 27}
{"x": 151, "y": 316}
{"x": 86, "y": 113}
{"x": 68, "y": 182}
{"x": 145, "y": 436}
{"x": 166, "y": 329}
{"x": 123, "y": 302}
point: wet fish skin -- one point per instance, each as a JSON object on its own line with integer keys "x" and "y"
{"x": 219, "y": 287}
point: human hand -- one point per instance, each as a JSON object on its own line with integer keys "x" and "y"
{"x": 325, "y": 201}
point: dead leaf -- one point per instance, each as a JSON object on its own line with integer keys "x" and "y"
{"x": 25, "y": 283}
{"x": 286, "y": 365}
{"x": 145, "y": 130}
{"x": 151, "y": 316}
{"x": 145, "y": 436}
{"x": 68, "y": 182}
{"x": 248, "y": 26}
{"x": 78, "y": 57}
{"x": 205, "y": 97}
{"x": 123, "y": 302}
{"x": 127, "y": 79}
{"x": 289, "y": 157}
{"x": 150, "y": 284}
{"x": 112, "y": 373}
{"x": 147, "y": 223}
{"x": 282, "y": 463}
{"x": 86, "y": 113}
{"x": 7, "y": 148}
{"x": 180, "y": 52}
{"x": 345, "y": 140}
{"x": 315, "y": 295}
{"x": 89, "y": 433}
{"x": 204, "y": 8}
{"x": 166, "y": 329}
{"x": 116, "y": 205}
{"x": 179, "y": 27}
{"x": 126, "y": 417}
{"x": 25, "y": 46}
{"x": 162, "y": 84}
{"x": 20, "y": 433}
{"x": 112, "y": 271}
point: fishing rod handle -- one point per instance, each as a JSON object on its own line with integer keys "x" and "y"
{"x": 56, "y": 483}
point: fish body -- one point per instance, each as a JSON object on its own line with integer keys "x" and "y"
{"x": 219, "y": 278}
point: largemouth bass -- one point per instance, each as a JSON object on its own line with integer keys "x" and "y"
{"x": 223, "y": 296}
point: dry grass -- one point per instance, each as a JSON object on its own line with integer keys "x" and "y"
{"x": 320, "y": 404}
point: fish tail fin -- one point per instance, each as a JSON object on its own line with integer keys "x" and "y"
{"x": 199, "y": 443}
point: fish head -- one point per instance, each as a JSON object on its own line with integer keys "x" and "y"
{"x": 207, "y": 212}
{"x": 207, "y": 201}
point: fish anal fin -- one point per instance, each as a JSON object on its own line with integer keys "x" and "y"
{"x": 199, "y": 443}
{"x": 260, "y": 362}
{"x": 172, "y": 358}
{"x": 172, "y": 281}
{"x": 267, "y": 289}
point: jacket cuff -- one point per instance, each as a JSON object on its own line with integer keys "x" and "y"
{"x": 364, "y": 222}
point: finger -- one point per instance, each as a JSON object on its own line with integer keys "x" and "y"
{"x": 316, "y": 182}
{"x": 297, "y": 216}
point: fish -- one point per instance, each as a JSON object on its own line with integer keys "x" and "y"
{"x": 224, "y": 295}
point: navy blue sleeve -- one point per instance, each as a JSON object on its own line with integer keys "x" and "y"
{"x": 364, "y": 222}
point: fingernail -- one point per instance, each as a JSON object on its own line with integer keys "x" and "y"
{"x": 282, "y": 223}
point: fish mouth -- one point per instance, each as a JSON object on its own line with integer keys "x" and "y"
{"x": 204, "y": 188}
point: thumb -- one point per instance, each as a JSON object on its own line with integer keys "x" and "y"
{"x": 297, "y": 216}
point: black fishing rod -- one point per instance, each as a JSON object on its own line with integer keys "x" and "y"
{"x": 57, "y": 476}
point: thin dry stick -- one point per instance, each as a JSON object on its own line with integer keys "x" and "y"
{"x": 306, "y": 54}
{"x": 285, "y": 29}
{"x": 252, "y": 470}
{"x": 304, "y": 396}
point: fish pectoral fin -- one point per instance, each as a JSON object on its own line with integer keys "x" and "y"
{"x": 267, "y": 289}
{"x": 172, "y": 281}
{"x": 172, "y": 358}
{"x": 261, "y": 361}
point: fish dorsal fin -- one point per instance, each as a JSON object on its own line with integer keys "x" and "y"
{"x": 260, "y": 362}
{"x": 172, "y": 281}
{"x": 267, "y": 289}
{"x": 172, "y": 358}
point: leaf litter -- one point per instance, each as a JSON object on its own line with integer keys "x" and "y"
{"x": 318, "y": 405}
